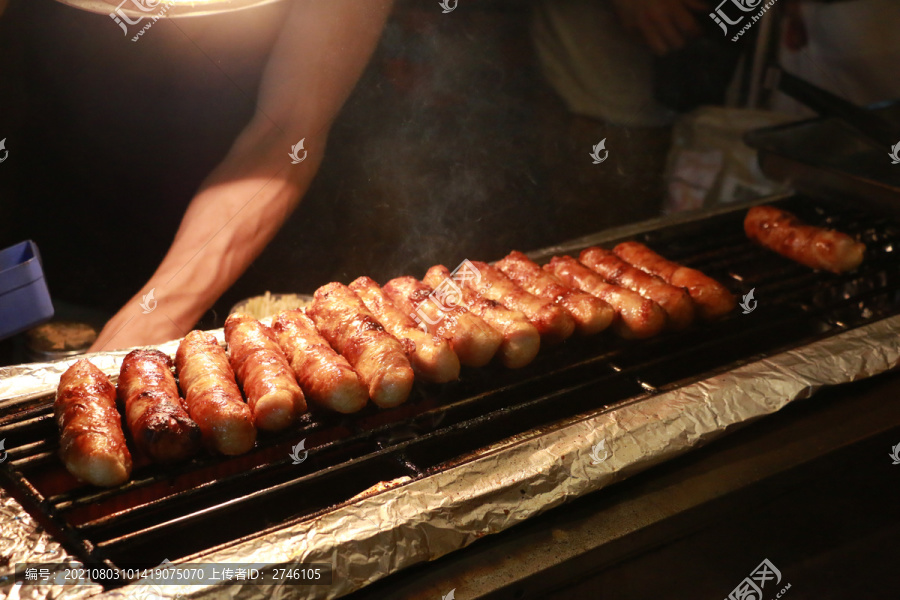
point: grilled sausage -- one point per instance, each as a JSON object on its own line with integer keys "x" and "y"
{"x": 675, "y": 301}
{"x": 91, "y": 441}
{"x": 521, "y": 341}
{"x": 637, "y": 317}
{"x": 343, "y": 320}
{"x": 553, "y": 322}
{"x": 814, "y": 247}
{"x": 592, "y": 315}
{"x": 712, "y": 299}
{"x": 212, "y": 396}
{"x": 431, "y": 357}
{"x": 474, "y": 341}
{"x": 155, "y": 413}
{"x": 263, "y": 371}
{"x": 324, "y": 375}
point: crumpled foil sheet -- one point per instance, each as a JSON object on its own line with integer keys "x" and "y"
{"x": 518, "y": 478}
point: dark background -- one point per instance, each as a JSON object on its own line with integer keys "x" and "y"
{"x": 451, "y": 147}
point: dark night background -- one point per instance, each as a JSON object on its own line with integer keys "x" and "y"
{"x": 451, "y": 146}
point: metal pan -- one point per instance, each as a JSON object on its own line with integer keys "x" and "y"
{"x": 827, "y": 157}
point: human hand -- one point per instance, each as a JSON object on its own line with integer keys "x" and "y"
{"x": 665, "y": 25}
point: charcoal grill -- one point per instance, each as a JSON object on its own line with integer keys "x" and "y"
{"x": 211, "y": 507}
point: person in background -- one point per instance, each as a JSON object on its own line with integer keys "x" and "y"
{"x": 850, "y": 48}
{"x": 599, "y": 57}
{"x": 320, "y": 54}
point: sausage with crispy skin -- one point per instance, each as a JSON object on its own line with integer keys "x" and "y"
{"x": 474, "y": 341}
{"x": 521, "y": 340}
{"x": 431, "y": 356}
{"x": 343, "y": 320}
{"x": 713, "y": 300}
{"x": 637, "y": 317}
{"x": 91, "y": 441}
{"x": 814, "y": 247}
{"x": 212, "y": 396}
{"x": 552, "y": 321}
{"x": 324, "y": 375}
{"x": 675, "y": 301}
{"x": 155, "y": 412}
{"x": 592, "y": 315}
{"x": 263, "y": 371}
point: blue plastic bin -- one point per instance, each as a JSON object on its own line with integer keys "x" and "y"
{"x": 24, "y": 299}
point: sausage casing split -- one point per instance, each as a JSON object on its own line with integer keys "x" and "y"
{"x": 343, "y": 320}
{"x": 264, "y": 372}
{"x": 815, "y": 247}
{"x": 713, "y": 300}
{"x": 637, "y": 317}
{"x": 553, "y": 322}
{"x": 674, "y": 300}
{"x": 431, "y": 356}
{"x": 521, "y": 340}
{"x": 212, "y": 396}
{"x": 156, "y": 414}
{"x": 474, "y": 341}
{"x": 324, "y": 375}
{"x": 91, "y": 440}
{"x": 592, "y": 315}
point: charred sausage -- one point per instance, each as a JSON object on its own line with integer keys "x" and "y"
{"x": 553, "y": 322}
{"x": 263, "y": 371}
{"x": 212, "y": 396}
{"x": 521, "y": 340}
{"x": 675, "y": 301}
{"x": 343, "y": 320}
{"x": 636, "y": 317}
{"x": 324, "y": 375}
{"x": 474, "y": 341}
{"x": 712, "y": 299}
{"x": 156, "y": 414}
{"x": 431, "y": 356}
{"x": 91, "y": 444}
{"x": 814, "y": 247}
{"x": 592, "y": 315}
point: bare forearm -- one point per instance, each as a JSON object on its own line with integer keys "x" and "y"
{"x": 236, "y": 214}
{"x": 319, "y": 56}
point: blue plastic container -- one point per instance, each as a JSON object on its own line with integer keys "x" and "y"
{"x": 24, "y": 299}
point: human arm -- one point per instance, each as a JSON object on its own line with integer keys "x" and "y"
{"x": 665, "y": 25}
{"x": 321, "y": 52}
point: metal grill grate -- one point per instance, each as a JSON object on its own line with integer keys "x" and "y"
{"x": 181, "y": 512}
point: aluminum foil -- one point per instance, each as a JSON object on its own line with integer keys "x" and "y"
{"x": 408, "y": 522}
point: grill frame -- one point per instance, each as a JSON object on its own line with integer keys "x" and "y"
{"x": 510, "y": 447}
